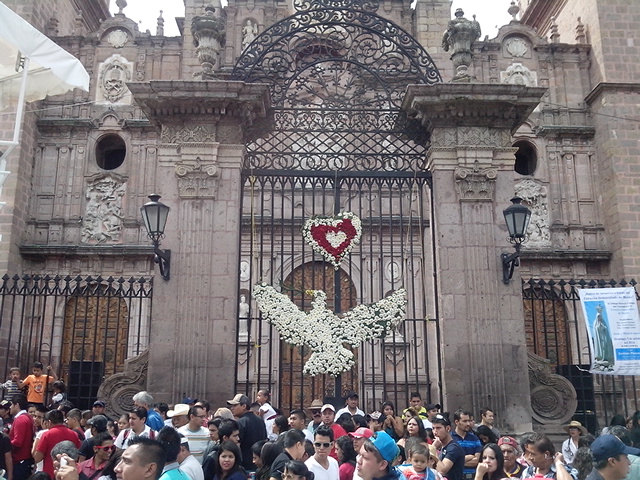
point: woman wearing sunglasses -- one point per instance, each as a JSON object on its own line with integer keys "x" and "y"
{"x": 103, "y": 449}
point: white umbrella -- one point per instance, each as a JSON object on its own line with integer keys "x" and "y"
{"x": 47, "y": 69}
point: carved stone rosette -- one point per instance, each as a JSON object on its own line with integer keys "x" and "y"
{"x": 475, "y": 184}
{"x": 117, "y": 390}
{"x": 553, "y": 398}
{"x": 196, "y": 180}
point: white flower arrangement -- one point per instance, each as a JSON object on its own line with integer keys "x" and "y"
{"x": 326, "y": 333}
{"x": 333, "y": 237}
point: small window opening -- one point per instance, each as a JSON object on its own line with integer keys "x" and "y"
{"x": 526, "y": 158}
{"x": 110, "y": 152}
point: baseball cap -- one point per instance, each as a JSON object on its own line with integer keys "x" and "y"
{"x": 98, "y": 421}
{"x": 607, "y": 446}
{"x": 5, "y": 404}
{"x": 352, "y": 395}
{"x": 433, "y": 406}
{"x": 386, "y": 446}
{"x": 178, "y": 409}
{"x": 362, "y": 432}
{"x": 329, "y": 406}
{"x": 508, "y": 441}
{"x": 99, "y": 403}
{"x": 189, "y": 400}
{"x": 239, "y": 399}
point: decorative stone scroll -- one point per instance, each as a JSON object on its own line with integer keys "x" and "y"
{"x": 196, "y": 180}
{"x": 117, "y": 390}
{"x": 534, "y": 195}
{"x": 553, "y": 398}
{"x": 102, "y": 220}
{"x": 475, "y": 184}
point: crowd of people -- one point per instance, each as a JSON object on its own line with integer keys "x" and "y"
{"x": 253, "y": 440}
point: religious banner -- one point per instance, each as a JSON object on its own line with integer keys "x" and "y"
{"x": 613, "y": 325}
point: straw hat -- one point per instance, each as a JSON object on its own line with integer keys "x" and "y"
{"x": 575, "y": 424}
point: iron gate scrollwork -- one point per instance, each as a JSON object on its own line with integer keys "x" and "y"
{"x": 338, "y": 141}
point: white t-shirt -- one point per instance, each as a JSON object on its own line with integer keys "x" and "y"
{"x": 126, "y": 436}
{"x": 332, "y": 473}
{"x": 192, "y": 467}
{"x": 198, "y": 440}
{"x": 269, "y": 415}
{"x": 346, "y": 410}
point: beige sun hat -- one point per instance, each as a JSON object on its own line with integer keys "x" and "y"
{"x": 575, "y": 424}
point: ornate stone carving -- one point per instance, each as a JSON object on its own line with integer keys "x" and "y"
{"x": 102, "y": 221}
{"x": 178, "y": 134}
{"x": 516, "y": 47}
{"x": 209, "y": 37}
{"x": 518, "y": 74}
{"x": 476, "y": 183}
{"x": 553, "y": 398}
{"x": 117, "y": 390}
{"x": 113, "y": 75}
{"x": 534, "y": 195}
{"x": 460, "y": 35}
{"x": 249, "y": 33}
{"x": 118, "y": 38}
{"x": 196, "y": 180}
{"x": 475, "y": 136}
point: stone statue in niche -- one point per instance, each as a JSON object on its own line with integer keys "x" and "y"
{"x": 102, "y": 221}
{"x": 535, "y": 196}
{"x": 249, "y": 33}
{"x": 243, "y": 316}
{"x": 518, "y": 74}
{"x": 115, "y": 72}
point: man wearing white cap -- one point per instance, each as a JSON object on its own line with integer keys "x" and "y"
{"x": 328, "y": 413}
{"x": 179, "y": 415}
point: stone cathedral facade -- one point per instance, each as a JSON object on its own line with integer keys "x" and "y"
{"x": 263, "y": 113}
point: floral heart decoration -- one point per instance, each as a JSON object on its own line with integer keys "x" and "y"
{"x": 333, "y": 237}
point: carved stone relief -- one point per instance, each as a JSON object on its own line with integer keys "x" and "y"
{"x": 518, "y": 74}
{"x": 476, "y": 183}
{"x": 196, "y": 180}
{"x": 553, "y": 398}
{"x": 118, "y": 38}
{"x": 179, "y": 134}
{"x": 117, "y": 390}
{"x": 102, "y": 221}
{"x": 535, "y": 196}
{"x": 475, "y": 136}
{"x": 113, "y": 74}
{"x": 516, "y": 47}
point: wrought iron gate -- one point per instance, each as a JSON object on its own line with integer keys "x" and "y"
{"x": 85, "y": 327}
{"x": 338, "y": 141}
{"x": 555, "y": 330}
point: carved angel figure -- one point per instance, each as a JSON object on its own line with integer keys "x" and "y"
{"x": 326, "y": 333}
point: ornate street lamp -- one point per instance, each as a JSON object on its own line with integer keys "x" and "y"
{"x": 517, "y": 217}
{"x": 154, "y": 214}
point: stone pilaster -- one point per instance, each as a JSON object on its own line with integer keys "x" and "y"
{"x": 200, "y": 154}
{"x": 481, "y": 319}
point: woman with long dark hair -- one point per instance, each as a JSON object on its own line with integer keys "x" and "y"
{"x": 491, "y": 465}
{"x": 392, "y": 425}
{"x": 296, "y": 469}
{"x": 414, "y": 428}
{"x": 229, "y": 462}
{"x": 268, "y": 454}
{"x": 346, "y": 457}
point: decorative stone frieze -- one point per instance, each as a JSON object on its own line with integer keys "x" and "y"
{"x": 535, "y": 196}
{"x": 102, "y": 220}
{"x": 553, "y": 398}
{"x": 196, "y": 180}
{"x": 475, "y": 184}
{"x": 452, "y": 137}
{"x": 188, "y": 134}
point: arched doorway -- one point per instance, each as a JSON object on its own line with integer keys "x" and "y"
{"x": 337, "y": 140}
{"x": 94, "y": 344}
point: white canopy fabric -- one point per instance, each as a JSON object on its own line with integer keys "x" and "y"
{"x": 52, "y": 70}
{"x": 32, "y": 66}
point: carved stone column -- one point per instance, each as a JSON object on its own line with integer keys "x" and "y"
{"x": 200, "y": 154}
{"x": 481, "y": 319}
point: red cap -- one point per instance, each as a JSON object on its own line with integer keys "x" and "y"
{"x": 508, "y": 441}
{"x": 362, "y": 432}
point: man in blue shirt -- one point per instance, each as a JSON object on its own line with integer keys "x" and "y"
{"x": 469, "y": 442}
{"x": 154, "y": 420}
